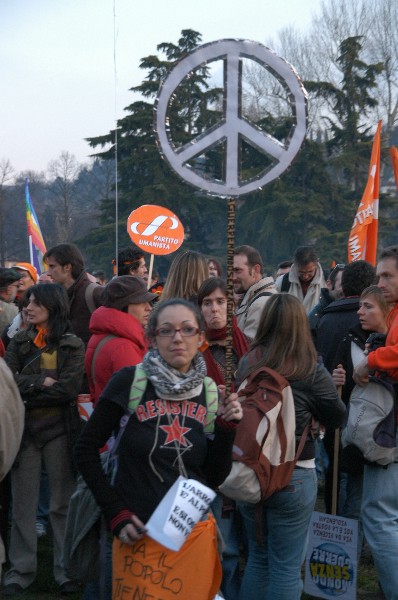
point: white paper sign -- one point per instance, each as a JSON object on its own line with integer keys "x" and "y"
{"x": 331, "y": 562}
{"x": 181, "y": 508}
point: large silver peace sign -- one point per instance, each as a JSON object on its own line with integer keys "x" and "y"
{"x": 233, "y": 125}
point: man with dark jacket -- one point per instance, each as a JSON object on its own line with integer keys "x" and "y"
{"x": 333, "y": 291}
{"x": 66, "y": 267}
{"x": 339, "y": 316}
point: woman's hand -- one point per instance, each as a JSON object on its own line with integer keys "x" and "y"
{"x": 49, "y": 381}
{"x": 133, "y": 532}
{"x": 338, "y": 376}
{"x": 231, "y": 409}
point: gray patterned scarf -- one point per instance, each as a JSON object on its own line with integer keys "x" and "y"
{"x": 171, "y": 384}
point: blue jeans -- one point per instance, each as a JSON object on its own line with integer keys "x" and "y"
{"x": 321, "y": 459}
{"x": 380, "y": 523}
{"x": 231, "y": 532}
{"x": 273, "y": 569}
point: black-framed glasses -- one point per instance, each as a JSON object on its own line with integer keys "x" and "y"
{"x": 185, "y": 331}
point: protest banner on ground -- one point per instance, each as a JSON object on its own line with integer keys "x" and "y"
{"x": 331, "y": 561}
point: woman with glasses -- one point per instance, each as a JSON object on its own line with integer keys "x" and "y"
{"x": 163, "y": 438}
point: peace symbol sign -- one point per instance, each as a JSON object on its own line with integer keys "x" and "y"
{"x": 233, "y": 125}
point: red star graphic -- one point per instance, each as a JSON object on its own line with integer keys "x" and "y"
{"x": 175, "y": 432}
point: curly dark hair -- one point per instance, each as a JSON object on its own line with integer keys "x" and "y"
{"x": 357, "y": 276}
{"x": 128, "y": 259}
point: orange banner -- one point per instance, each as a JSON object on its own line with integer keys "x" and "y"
{"x": 394, "y": 160}
{"x": 149, "y": 570}
{"x": 362, "y": 243}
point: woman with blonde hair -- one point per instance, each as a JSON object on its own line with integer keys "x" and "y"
{"x": 283, "y": 343}
{"x": 187, "y": 273}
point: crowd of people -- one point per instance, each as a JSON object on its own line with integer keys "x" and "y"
{"x": 152, "y": 360}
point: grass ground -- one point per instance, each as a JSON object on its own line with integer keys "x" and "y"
{"x": 44, "y": 587}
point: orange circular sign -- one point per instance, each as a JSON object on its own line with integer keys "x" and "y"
{"x": 155, "y": 229}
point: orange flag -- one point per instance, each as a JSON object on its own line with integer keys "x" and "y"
{"x": 362, "y": 243}
{"x": 394, "y": 159}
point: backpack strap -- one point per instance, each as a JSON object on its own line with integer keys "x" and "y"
{"x": 138, "y": 388}
{"x": 285, "y": 283}
{"x": 96, "y": 351}
{"x": 259, "y": 294}
{"x": 89, "y": 296}
{"x": 211, "y": 393}
{"x": 257, "y": 297}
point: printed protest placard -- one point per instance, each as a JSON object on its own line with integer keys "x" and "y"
{"x": 331, "y": 562}
{"x": 182, "y": 507}
{"x": 155, "y": 229}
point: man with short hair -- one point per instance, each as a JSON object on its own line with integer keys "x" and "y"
{"x": 305, "y": 278}
{"x": 283, "y": 267}
{"x": 379, "y": 511}
{"x": 248, "y": 280}
{"x": 9, "y": 282}
{"x": 66, "y": 266}
{"x": 131, "y": 261}
{"x": 333, "y": 291}
{"x": 341, "y": 315}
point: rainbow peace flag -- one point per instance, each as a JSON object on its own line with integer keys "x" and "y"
{"x": 37, "y": 246}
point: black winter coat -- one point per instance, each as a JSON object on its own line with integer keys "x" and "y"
{"x": 315, "y": 396}
{"x": 338, "y": 318}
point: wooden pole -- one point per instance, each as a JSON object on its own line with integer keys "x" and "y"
{"x": 336, "y": 450}
{"x": 230, "y": 293}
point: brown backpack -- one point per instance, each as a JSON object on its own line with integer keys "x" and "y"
{"x": 265, "y": 443}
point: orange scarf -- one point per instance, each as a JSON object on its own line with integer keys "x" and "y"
{"x": 39, "y": 340}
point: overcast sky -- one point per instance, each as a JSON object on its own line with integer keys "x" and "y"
{"x": 61, "y": 80}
